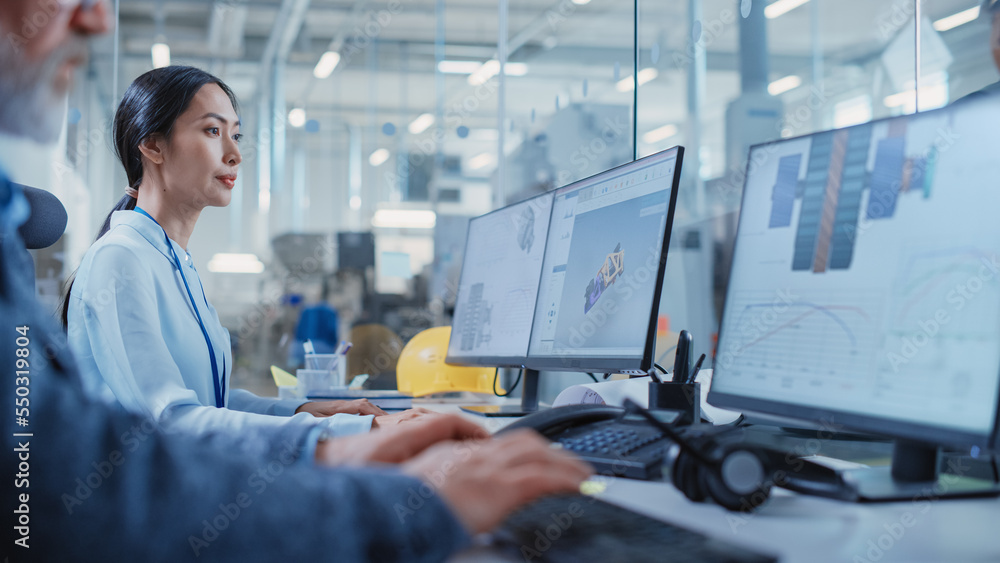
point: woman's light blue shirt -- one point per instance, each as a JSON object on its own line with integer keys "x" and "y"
{"x": 135, "y": 334}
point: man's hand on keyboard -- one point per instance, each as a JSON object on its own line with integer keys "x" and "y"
{"x": 485, "y": 480}
{"x": 481, "y": 478}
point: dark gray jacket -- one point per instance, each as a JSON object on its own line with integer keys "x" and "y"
{"x": 92, "y": 483}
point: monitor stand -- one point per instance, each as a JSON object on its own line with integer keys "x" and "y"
{"x": 913, "y": 476}
{"x": 529, "y": 400}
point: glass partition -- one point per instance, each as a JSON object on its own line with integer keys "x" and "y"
{"x": 414, "y": 126}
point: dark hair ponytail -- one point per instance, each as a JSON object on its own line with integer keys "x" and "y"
{"x": 150, "y": 106}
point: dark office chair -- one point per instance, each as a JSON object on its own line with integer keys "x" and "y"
{"x": 45, "y": 224}
{"x": 47, "y": 221}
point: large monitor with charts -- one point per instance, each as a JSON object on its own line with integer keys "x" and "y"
{"x": 605, "y": 254}
{"x": 865, "y": 285}
{"x": 499, "y": 284}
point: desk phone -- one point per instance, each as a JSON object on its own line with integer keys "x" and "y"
{"x": 621, "y": 447}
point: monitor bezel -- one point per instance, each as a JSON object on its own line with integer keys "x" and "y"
{"x": 831, "y": 419}
{"x": 495, "y": 361}
{"x": 619, "y": 364}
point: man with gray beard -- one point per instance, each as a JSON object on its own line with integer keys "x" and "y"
{"x": 87, "y": 482}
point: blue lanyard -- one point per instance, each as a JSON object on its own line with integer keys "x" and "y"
{"x": 218, "y": 382}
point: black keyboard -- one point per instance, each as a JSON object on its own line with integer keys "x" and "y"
{"x": 581, "y": 528}
{"x": 623, "y": 448}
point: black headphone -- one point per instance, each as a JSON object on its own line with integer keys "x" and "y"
{"x": 735, "y": 476}
{"x": 713, "y": 462}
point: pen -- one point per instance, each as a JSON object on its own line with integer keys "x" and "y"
{"x": 653, "y": 376}
{"x": 697, "y": 368}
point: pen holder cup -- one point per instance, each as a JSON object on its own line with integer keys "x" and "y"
{"x": 314, "y": 381}
{"x": 336, "y": 364}
{"x": 682, "y": 397}
{"x": 322, "y": 361}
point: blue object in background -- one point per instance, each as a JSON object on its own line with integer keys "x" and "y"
{"x": 318, "y": 323}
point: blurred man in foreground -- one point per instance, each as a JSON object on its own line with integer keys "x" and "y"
{"x": 87, "y": 482}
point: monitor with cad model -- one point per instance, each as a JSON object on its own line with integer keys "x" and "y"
{"x": 499, "y": 284}
{"x": 865, "y": 283}
{"x": 604, "y": 263}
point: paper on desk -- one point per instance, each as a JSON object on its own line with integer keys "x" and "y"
{"x": 615, "y": 393}
{"x": 714, "y": 414}
{"x": 282, "y": 378}
{"x": 606, "y": 393}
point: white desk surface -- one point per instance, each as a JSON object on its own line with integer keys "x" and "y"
{"x": 809, "y": 529}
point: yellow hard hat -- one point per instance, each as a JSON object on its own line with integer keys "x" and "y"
{"x": 421, "y": 369}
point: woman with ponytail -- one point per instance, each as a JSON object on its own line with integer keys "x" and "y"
{"x": 137, "y": 316}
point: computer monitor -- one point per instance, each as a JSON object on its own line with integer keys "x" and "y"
{"x": 498, "y": 285}
{"x": 605, "y": 256}
{"x": 355, "y": 250}
{"x": 865, "y": 288}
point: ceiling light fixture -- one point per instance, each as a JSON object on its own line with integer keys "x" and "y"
{"x": 378, "y": 156}
{"x": 645, "y": 75}
{"x": 782, "y": 85}
{"x": 781, "y": 7}
{"x": 161, "y": 54}
{"x": 234, "y": 263}
{"x": 481, "y": 161}
{"x": 297, "y": 117}
{"x": 404, "y": 219}
{"x": 955, "y": 20}
{"x": 326, "y": 64}
{"x": 421, "y": 123}
{"x": 660, "y": 133}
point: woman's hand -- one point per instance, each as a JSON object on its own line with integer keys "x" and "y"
{"x": 409, "y": 415}
{"x": 330, "y": 408}
{"x": 398, "y": 443}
